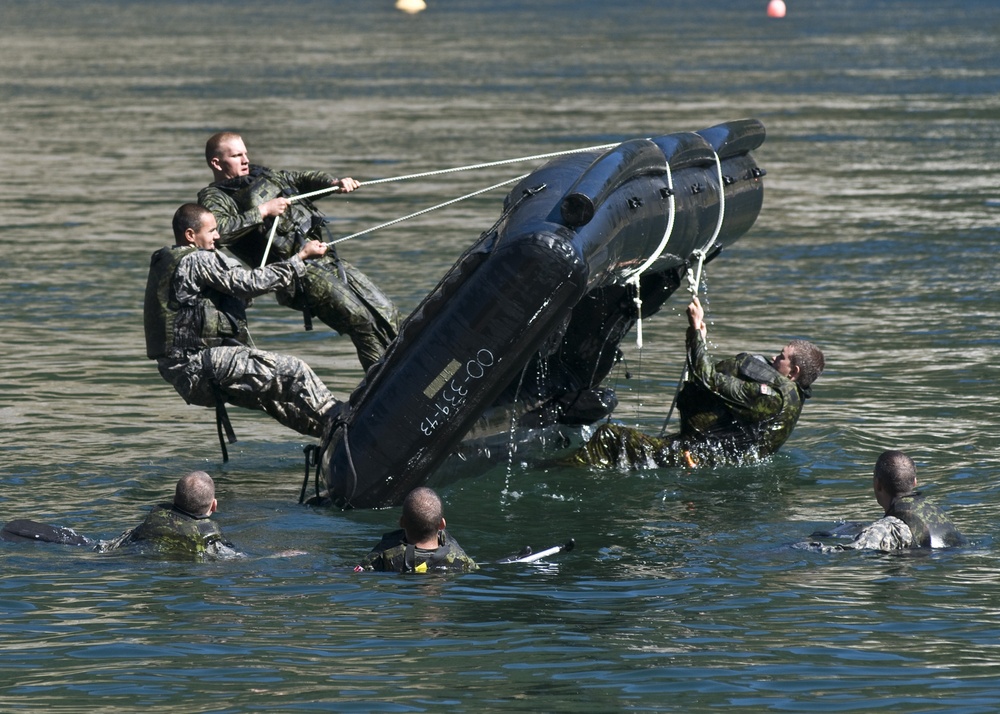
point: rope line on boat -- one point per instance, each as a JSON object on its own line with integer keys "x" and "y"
{"x": 634, "y": 277}
{"x": 426, "y": 174}
{"x": 694, "y": 280}
{"x": 427, "y": 210}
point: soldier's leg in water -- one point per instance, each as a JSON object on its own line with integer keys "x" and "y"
{"x": 616, "y": 446}
{"x": 281, "y": 385}
{"x": 357, "y": 309}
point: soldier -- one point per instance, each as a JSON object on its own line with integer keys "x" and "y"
{"x": 909, "y": 521}
{"x": 196, "y": 329}
{"x": 421, "y": 544}
{"x": 244, "y": 196}
{"x": 895, "y": 483}
{"x": 739, "y": 409}
{"x": 183, "y": 527}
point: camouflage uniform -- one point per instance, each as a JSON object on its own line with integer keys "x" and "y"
{"x": 196, "y": 331}
{"x": 172, "y": 531}
{"x": 886, "y": 534}
{"x": 394, "y": 554}
{"x": 331, "y": 289}
{"x": 930, "y": 527}
{"x": 736, "y": 410}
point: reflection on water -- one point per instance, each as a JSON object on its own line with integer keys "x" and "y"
{"x": 876, "y": 240}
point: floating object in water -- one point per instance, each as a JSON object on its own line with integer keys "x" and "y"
{"x": 527, "y": 556}
{"x": 411, "y": 7}
{"x": 528, "y": 322}
{"x": 776, "y": 8}
{"x": 22, "y": 530}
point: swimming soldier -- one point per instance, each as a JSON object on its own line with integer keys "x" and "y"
{"x": 421, "y": 544}
{"x": 183, "y": 527}
{"x": 910, "y": 521}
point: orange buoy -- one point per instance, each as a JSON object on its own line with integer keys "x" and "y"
{"x": 776, "y": 8}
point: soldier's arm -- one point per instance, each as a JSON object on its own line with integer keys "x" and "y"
{"x": 739, "y": 392}
{"x": 210, "y": 269}
{"x": 233, "y": 223}
{"x": 307, "y": 181}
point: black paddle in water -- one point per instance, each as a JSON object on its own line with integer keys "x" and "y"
{"x": 21, "y": 530}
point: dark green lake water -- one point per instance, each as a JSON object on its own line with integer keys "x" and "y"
{"x": 877, "y": 240}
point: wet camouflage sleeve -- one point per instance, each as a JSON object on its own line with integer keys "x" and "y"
{"x": 233, "y": 223}
{"x": 887, "y": 533}
{"x": 211, "y": 269}
{"x": 740, "y": 392}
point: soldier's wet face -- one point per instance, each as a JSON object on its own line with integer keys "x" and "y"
{"x": 782, "y": 362}
{"x": 232, "y": 160}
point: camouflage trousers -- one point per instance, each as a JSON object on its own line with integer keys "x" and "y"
{"x": 283, "y": 386}
{"x": 616, "y": 446}
{"x": 345, "y": 299}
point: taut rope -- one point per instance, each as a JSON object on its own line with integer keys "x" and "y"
{"x": 425, "y": 174}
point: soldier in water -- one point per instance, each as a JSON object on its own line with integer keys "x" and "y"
{"x": 421, "y": 544}
{"x": 739, "y": 409}
{"x": 183, "y": 527}
{"x": 910, "y": 521}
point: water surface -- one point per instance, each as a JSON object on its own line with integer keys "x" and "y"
{"x": 877, "y": 241}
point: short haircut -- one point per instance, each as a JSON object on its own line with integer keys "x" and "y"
{"x": 895, "y": 472}
{"x": 215, "y": 141}
{"x": 194, "y": 493}
{"x": 190, "y": 215}
{"x": 422, "y": 512}
{"x": 809, "y": 359}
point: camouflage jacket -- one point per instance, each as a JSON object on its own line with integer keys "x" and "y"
{"x": 202, "y": 275}
{"x": 171, "y": 531}
{"x": 887, "y": 533}
{"x": 930, "y": 527}
{"x": 394, "y": 554}
{"x": 244, "y": 232}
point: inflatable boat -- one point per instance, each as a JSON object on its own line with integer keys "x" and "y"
{"x": 528, "y": 321}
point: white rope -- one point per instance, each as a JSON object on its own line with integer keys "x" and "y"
{"x": 427, "y": 210}
{"x": 722, "y": 211}
{"x": 425, "y": 174}
{"x": 634, "y": 277}
{"x": 694, "y": 276}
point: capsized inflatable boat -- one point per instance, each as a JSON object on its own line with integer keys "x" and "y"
{"x": 528, "y": 321}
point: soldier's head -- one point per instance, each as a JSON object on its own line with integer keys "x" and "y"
{"x": 801, "y": 361}
{"x": 423, "y": 515}
{"x": 195, "y": 495}
{"x": 226, "y": 155}
{"x": 195, "y": 225}
{"x": 895, "y": 475}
